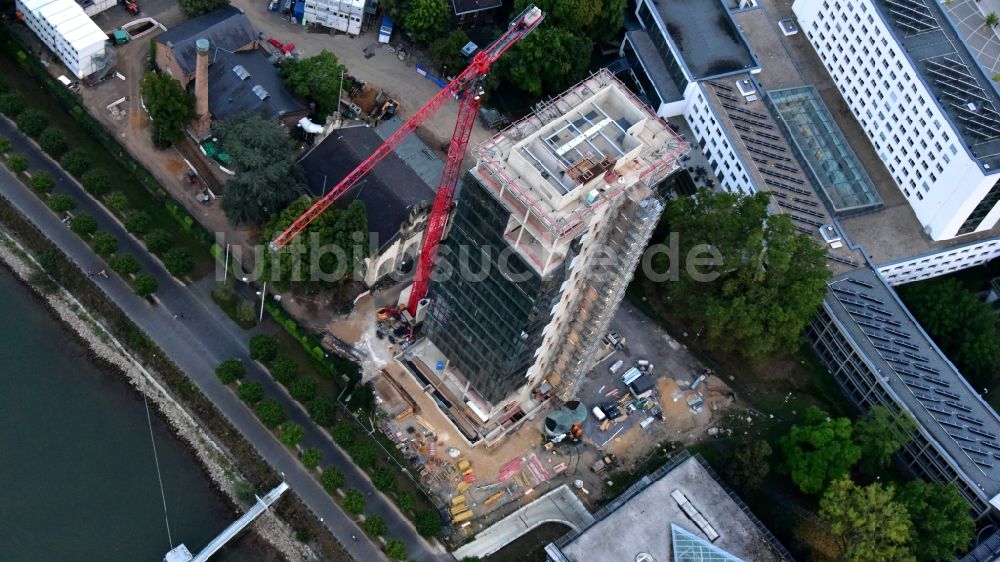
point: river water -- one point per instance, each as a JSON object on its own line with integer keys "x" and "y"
{"x": 78, "y": 479}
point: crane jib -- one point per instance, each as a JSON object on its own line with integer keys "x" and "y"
{"x": 466, "y": 84}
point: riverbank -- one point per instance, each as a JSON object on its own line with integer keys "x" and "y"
{"x": 106, "y": 350}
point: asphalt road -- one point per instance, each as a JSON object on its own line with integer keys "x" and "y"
{"x": 197, "y": 343}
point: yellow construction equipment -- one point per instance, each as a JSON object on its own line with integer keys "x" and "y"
{"x": 464, "y": 516}
{"x": 457, "y": 500}
{"x": 463, "y": 465}
{"x": 495, "y": 497}
{"x": 462, "y": 487}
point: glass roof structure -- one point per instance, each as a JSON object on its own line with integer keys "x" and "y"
{"x": 830, "y": 162}
{"x": 689, "y": 547}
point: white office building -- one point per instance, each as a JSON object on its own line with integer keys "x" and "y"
{"x": 923, "y": 100}
{"x": 342, "y": 15}
{"x": 64, "y": 28}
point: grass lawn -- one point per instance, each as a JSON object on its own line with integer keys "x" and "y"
{"x": 122, "y": 179}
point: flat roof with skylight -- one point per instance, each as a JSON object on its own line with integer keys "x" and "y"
{"x": 831, "y": 163}
{"x": 680, "y": 512}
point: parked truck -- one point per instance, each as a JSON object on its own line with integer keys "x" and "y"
{"x": 385, "y": 29}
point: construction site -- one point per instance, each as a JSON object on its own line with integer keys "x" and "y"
{"x": 524, "y": 373}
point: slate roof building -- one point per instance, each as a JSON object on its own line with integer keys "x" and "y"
{"x": 242, "y": 78}
{"x": 396, "y": 194}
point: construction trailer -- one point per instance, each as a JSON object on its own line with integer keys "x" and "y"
{"x": 342, "y": 15}
{"x": 64, "y": 27}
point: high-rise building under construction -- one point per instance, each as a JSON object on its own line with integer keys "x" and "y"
{"x": 549, "y": 227}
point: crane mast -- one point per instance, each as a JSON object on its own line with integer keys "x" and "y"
{"x": 465, "y": 86}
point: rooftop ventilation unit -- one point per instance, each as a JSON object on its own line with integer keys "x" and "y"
{"x": 241, "y": 72}
{"x": 261, "y": 92}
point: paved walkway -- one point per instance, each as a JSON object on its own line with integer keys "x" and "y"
{"x": 560, "y": 505}
{"x": 197, "y": 344}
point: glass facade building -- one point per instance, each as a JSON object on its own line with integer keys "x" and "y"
{"x": 489, "y": 306}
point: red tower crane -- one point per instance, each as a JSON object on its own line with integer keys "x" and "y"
{"x": 467, "y": 87}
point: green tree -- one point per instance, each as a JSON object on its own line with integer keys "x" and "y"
{"x": 406, "y": 501}
{"x": 446, "y": 52}
{"x": 246, "y": 312}
{"x": 354, "y": 501}
{"x": 17, "y": 163}
{"x": 42, "y": 181}
{"x": 96, "y": 181}
{"x": 283, "y": 369}
{"x": 158, "y": 241}
{"x": 547, "y": 61}
{"x": 144, "y": 285}
{"x": 11, "y": 104}
{"x": 251, "y": 392}
{"x": 575, "y": 16}
{"x": 362, "y": 453}
{"x": 178, "y": 262}
{"x": 375, "y": 526}
{"x": 76, "y": 161}
{"x": 32, "y": 122}
{"x": 62, "y": 203}
{"x": 819, "y": 450}
{"x": 867, "y": 522}
{"x": 766, "y": 280}
{"x": 230, "y": 370}
{"x": 83, "y": 225}
{"x": 428, "y": 523}
{"x": 104, "y": 244}
{"x": 263, "y": 348}
{"x": 343, "y": 229}
{"x": 316, "y": 78}
{"x": 124, "y": 265}
{"x": 244, "y": 492}
{"x": 192, "y": 8}
{"x": 267, "y": 178}
{"x": 395, "y": 549}
{"x": 749, "y": 465}
{"x": 332, "y": 479}
{"x": 116, "y": 201}
{"x": 344, "y": 432}
{"x": 5, "y": 145}
{"x": 291, "y": 433}
{"x": 964, "y": 327}
{"x": 170, "y": 106}
{"x": 54, "y": 142}
{"x": 311, "y": 458}
{"x": 269, "y": 412}
{"x": 303, "y": 389}
{"x": 992, "y": 19}
{"x": 322, "y": 410}
{"x": 384, "y": 479}
{"x": 426, "y": 20}
{"x": 137, "y": 222}
{"x": 942, "y": 526}
{"x": 608, "y": 22}
{"x": 880, "y": 435}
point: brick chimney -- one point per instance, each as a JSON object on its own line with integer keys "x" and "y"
{"x": 202, "y": 119}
